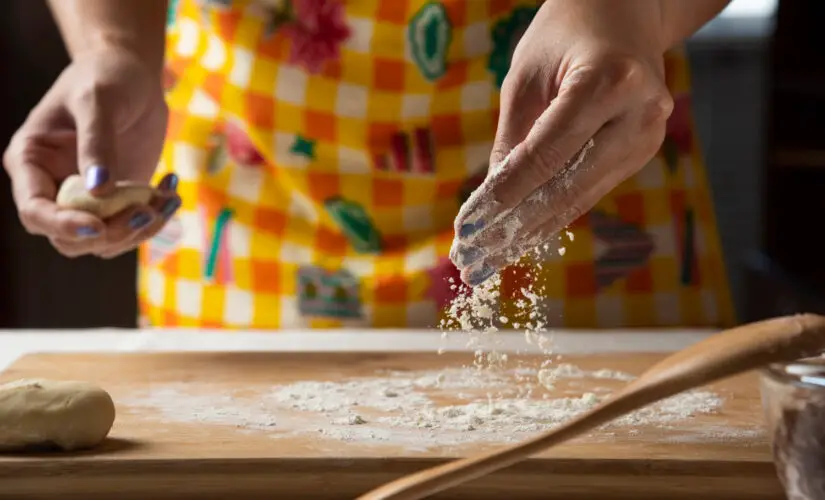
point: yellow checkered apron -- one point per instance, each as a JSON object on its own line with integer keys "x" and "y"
{"x": 324, "y": 148}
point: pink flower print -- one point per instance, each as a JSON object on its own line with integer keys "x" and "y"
{"x": 317, "y": 32}
{"x": 240, "y": 147}
{"x": 679, "y": 129}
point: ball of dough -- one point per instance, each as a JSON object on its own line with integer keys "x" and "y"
{"x": 44, "y": 413}
{"x": 73, "y": 194}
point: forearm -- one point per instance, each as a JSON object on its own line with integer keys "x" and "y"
{"x": 136, "y": 25}
{"x": 682, "y": 18}
{"x": 642, "y": 25}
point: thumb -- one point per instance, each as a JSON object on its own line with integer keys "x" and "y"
{"x": 96, "y": 143}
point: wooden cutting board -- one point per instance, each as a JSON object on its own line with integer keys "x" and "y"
{"x": 204, "y": 425}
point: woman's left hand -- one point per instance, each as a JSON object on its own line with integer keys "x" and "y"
{"x": 583, "y": 107}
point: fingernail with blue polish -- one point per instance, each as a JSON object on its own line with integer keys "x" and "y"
{"x": 470, "y": 228}
{"x": 479, "y": 276}
{"x": 170, "y": 207}
{"x": 87, "y": 232}
{"x": 140, "y": 220}
{"x": 95, "y": 176}
{"x": 169, "y": 183}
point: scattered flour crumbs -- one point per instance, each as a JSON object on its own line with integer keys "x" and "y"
{"x": 490, "y": 401}
{"x": 404, "y": 407}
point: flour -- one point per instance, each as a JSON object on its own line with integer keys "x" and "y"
{"x": 421, "y": 409}
{"x": 548, "y": 376}
{"x": 181, "y": 403}
{"x": 576, "y": 163}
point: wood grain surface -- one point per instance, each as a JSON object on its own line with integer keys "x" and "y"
{"x": 722, "y": 456}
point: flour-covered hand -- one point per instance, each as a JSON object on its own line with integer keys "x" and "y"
{"x": 583, "y": 107}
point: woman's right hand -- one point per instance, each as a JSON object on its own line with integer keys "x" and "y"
{"x": 104, "y": 118}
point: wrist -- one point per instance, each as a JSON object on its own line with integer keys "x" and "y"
{"x": 629, "y": 25}
{"x": 112, "y": 42}
{"x": 134, "y": 26}
{"x": 669, "y": 21}
{"x": 680, "y": 19}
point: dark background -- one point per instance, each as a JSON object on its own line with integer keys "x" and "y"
{"x": 759, "y": 97}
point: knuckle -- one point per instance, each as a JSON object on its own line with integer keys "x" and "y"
{"x": 8, "y": 156}
{"x": 620, "y": 75}
{"x": 15, "y": 150}
{"x": 28, "y": 217}
{"x": 546, "y": 159}
{"x": 657, "y": 109}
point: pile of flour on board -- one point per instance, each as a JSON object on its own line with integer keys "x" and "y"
{"x": 418, "y": 410}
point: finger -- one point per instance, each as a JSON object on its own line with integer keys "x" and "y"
{"x": 139, "y": 237}
{"x": 34, "y": 192}
{"x": 166, "y": 209}
{"x": 548, "y": 199}
{"x": 543, "y": 203}
{"x": 96, "y": 138}
{"x": 517, "y": 113}
{"x": 133, "y": 226}
{"x": 169, "y": 183}
{"x": 43, "y": 217}
{"x": 565, "y": 200}
{"x": 33, "y": 187}
{"x": 121, "y": 227}
{"x": 124, "y": 225}
{"x": 496, "y": 261}
{"x": 556, "y": 199}
{"x": 74, "y": 248}
{"x": 581, "y": 108}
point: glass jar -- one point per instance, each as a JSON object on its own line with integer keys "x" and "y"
{"x": 793, "y": 397}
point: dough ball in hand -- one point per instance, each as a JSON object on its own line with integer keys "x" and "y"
{"x": 73, "y": 194}
{"x": 68, "y": 415}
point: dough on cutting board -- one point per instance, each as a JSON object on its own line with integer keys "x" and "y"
{"x": 68, "y": 415}
{"x": 73, "y": 194}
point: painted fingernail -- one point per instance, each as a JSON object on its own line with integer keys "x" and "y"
{"x": 479, "y": 276}
{"x": 170, "y": 207}
{"x": 95, "y": 176}
{"x": 87, "y": 232}
{"x": 470, "y": 228}
{"x": 470, "y": 255}
{"x": 169, "y": 182}
{"x": 140, "y": 220}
